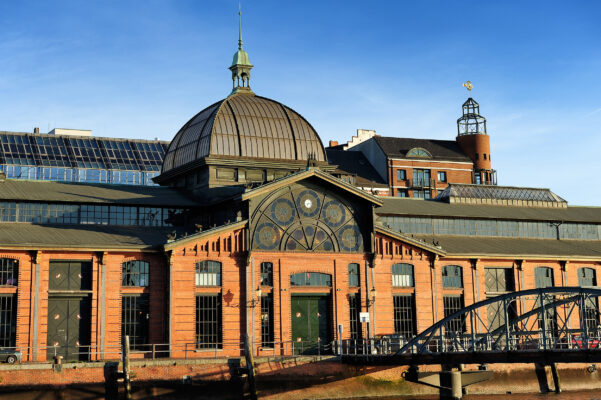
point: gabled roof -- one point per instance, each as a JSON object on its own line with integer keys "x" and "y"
{"x": 355, "y": 163}
{"x": 200, "y": 235}
{"x": 68, "y": 192}
{"x": 417, "y": 242}
{"x": 310, "y": 172}
{"x": 396, "y": 147}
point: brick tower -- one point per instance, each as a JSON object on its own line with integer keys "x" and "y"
{"x": 475, "y": 142}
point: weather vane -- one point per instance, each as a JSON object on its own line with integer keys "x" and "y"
{"x": 468, "y": 85}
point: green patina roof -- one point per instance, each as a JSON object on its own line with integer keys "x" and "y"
{"x": 241, "y": 58}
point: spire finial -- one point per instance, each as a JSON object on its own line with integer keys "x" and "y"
{"x": 239, "y": 26}
{"x": 468, "y": 85}
{"x": 241, "y": 65}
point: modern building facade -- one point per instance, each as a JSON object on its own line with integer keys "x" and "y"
{"x": 250, "y": 233}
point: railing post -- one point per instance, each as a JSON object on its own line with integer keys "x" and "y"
{"x": 506, "y": 317}
{"x": 544, "y": 319}
{"x": 153, "y": 351}
{"x": 473, "y": 330}
{"x": 583, "y": 320}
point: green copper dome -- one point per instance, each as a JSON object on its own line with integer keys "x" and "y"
{"x": 241, "y": 58}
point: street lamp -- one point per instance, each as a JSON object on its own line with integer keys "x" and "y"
{"x": 373, "y": 294}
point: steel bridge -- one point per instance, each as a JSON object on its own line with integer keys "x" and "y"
{"x": 554, "y": 324}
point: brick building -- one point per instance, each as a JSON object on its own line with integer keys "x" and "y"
{"x": 250, "y": 233}
{"x": 419, "y": 168}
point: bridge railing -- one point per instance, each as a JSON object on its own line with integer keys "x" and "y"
{"x": 549, "y": 319}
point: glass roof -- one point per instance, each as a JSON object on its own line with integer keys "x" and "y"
{"x": 499, "y": 193}
{"x": 82, "y": 152}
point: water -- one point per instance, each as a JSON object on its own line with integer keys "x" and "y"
{"x": 177, "y": 392}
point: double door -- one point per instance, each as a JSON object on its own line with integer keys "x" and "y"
{"x": 69, "y": 327}
{"x": 310, "y": 323}
{"x": 69, "y": 310}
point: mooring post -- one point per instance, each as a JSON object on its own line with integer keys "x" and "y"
{"x": 126, "y": 380}
{"x": 456, "y": 392}
{"x": 555, "y": 375}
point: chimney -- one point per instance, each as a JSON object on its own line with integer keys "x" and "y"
{"x": 333, "y": 143}
{"x": 36, "y": 129}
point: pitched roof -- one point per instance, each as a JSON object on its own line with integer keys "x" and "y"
{"x": 355, "y": 163}
{"x": 440, "y": 149}
{"x": 417, "y": 242}
{"x": 48, "y": 191}
{"x": 311, "y": 172}
{"x": 102, "y": 237}
{"x": 178, "y": 241}
{"x": 419, "y": 207}
{"x": 515, "y": 248}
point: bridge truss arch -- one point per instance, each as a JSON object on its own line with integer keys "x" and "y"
{"x": 536, "y": 320}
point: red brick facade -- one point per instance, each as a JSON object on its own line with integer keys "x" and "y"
{"x": 172, "y": 291}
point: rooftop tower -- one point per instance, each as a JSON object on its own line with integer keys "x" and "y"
{"x": 474, "y": 140}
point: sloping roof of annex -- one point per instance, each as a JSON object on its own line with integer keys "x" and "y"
{"x": 66, "y": 192}
{"x": 433, "y": 208}
{"x": 88, "y": 237}
{"x": 514, "y": 248}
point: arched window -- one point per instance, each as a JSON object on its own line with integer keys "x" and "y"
{"x": 452, "y": 276}
{"x": 311, "y": 279}
{"x": 402, "y": 275}
{"x": 208, "y": 273}
{"x": 543, "y": 277}
{"x": 587, "y": 277}
{"x": 266, "y": 274}
{"x": 135, "y": 273}
{"x": 8, "y": 271}
{"x": 353, "y": 275}
{"x": 419, "y": 152}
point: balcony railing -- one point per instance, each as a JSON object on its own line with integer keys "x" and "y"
{"x": 421, "y": 183}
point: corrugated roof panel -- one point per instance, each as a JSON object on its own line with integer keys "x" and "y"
{"x": 48, "y": 191}
{"x": 418, "y": 207}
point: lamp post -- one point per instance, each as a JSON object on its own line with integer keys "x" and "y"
{"x": 371, "y": 302}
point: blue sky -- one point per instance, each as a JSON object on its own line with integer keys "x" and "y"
{"x": 143, "y": 68}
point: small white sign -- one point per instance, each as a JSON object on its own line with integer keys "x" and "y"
{"x": 364, "y": 317}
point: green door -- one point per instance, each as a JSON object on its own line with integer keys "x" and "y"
{"x": 310, "y": 324}
{"x": 68, "y": 327}
{"x": 69, "y": 309}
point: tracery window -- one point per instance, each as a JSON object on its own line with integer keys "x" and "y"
{"x": 306, "y": 219}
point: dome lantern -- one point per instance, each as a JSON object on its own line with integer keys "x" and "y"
{"x": 241, "y": 65}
